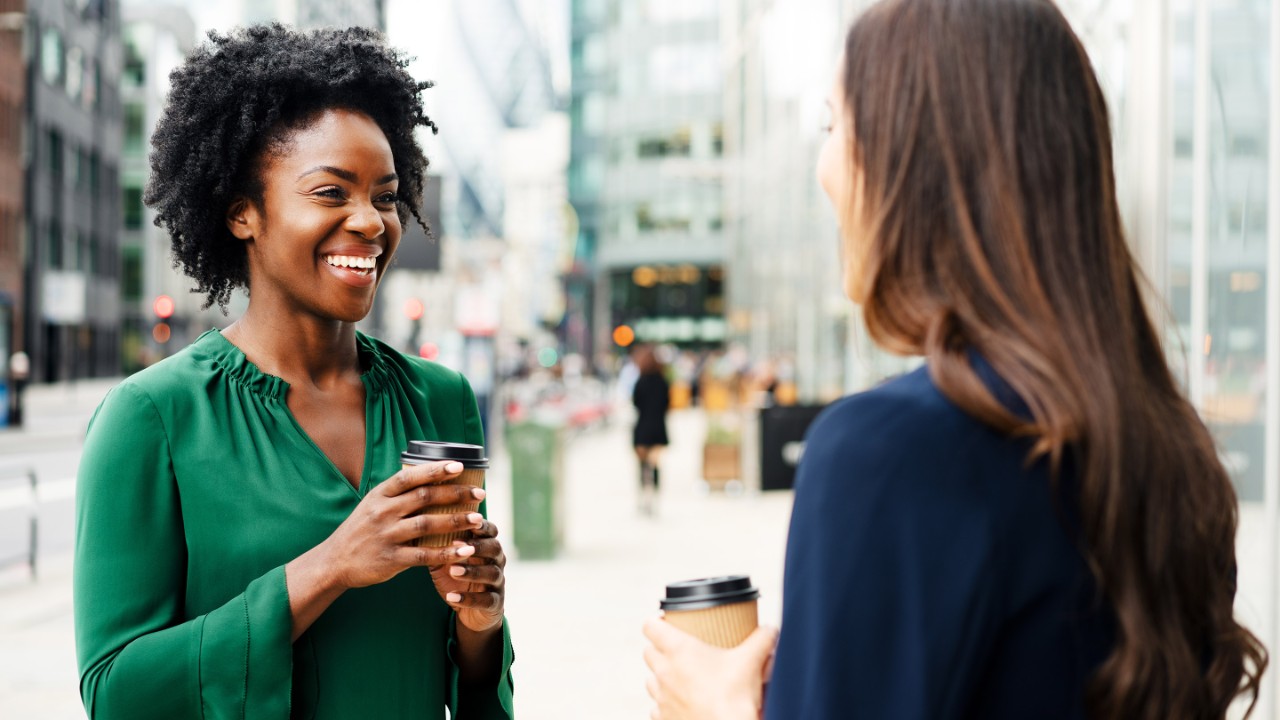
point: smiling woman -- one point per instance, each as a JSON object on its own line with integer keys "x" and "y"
{"x": 247, "y": 542}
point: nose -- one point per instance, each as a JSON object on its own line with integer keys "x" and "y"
{"x": 365, "y": 221}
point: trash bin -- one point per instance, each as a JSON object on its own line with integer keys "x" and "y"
{"x": 782, "y": 430}
{"x": 537, "y": 497}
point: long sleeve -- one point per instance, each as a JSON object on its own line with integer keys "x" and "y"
{"x": 499, "y": 705}
{"x": 139, "y": 657}
{"x": 888, "y": 600}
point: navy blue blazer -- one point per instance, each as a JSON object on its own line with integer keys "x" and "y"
{"x": 929, "y": 572}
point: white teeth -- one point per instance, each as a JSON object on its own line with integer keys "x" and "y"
{"x": 358, "y": 262}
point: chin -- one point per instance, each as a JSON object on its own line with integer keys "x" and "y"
{"x": 853, "y": 290}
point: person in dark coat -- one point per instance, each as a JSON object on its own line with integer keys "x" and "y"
{"x": 652, "y": 397}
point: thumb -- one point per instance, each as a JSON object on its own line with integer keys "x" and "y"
{"x": 664, "y": 635}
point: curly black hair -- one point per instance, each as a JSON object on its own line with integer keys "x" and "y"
{"x": 239, "y": 97}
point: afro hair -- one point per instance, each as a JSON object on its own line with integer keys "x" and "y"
{"x": 241, "y": 95}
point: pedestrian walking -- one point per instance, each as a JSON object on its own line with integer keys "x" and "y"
{"x": 651, "y": 397}
{"x": 1035, "y": 524}
{"x": 246, "y": 542}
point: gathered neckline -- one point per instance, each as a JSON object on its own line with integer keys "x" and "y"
{"x": 237, "y": 366}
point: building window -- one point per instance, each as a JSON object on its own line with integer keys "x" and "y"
{"x": 92, "y": 83}
{"x": 55, "y": 156}
{"x": 649, "y": 220}
{"x": 80, "y": 166}
{"x": 53, "y": 239}
{"x": 132, "y": 208}
{"x": 52, "y": 58}
{"x": 131, "y": 274}
{"x": 676, "y": 144}
{"x": 135, "y": 69}
{"x": 134, "y": 128}
{"x": 74, "y": 82}
{"x": 95, "y": 171}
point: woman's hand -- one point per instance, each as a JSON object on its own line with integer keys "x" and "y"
{"x": 696, "y": 681}
{"x": 476, "y": 585}
{"x": 376, "y": 542}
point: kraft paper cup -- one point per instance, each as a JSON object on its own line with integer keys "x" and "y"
{"x": 474, "y": 464}
{"x": 720, "y": 611}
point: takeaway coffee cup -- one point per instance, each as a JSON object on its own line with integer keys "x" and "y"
{"x": 719, "y": 610}
{"x": 474, "y": 464}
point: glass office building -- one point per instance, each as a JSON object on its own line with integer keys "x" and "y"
{"x": 645, "y": 170}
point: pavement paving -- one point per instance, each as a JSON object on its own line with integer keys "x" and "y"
{"x": 575, "y": 619}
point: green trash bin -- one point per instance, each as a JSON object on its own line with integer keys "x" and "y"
{"x": 537, "y": 500}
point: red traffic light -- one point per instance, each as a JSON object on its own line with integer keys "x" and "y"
{"x": 413, "y": 308}
{"x": 163, "y": 306}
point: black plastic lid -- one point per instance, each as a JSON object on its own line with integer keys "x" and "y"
{"x": 708, "y": 593}
{"x": 424, "y": 451}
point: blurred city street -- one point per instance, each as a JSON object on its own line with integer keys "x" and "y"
{"x": 575, "y": 620}
{"x": 612, "y": 183}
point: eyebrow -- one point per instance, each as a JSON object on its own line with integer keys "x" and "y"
{"x": 346, "y": 174}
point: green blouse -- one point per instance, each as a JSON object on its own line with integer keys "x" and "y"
{"x": 196, "y": 486}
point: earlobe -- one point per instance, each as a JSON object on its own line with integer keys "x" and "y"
{"x": 239, "y": 218}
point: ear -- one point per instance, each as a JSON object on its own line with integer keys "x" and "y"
{"x": 243, "y": 218}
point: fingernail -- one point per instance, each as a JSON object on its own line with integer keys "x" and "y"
{"x": 475, "y": 518}
{"x": 453, "y": 467}
{"x": 466, "y": 551}
{"x": 453, "y": 597}
{"x": 478, "y": 493}
{"x": 457, "y": 571}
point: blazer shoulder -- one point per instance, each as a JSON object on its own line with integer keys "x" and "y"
{"x": 904, "y": 436}
{"x": 905, "y": 409}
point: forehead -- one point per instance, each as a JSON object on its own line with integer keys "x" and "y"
{"x": 336, "y": 137}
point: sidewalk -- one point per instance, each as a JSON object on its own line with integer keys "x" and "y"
{"x": 54, "y": 415}
{"x": 575, "y": 620}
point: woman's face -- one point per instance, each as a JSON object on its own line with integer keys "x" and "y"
{"x": 842, "y": 182}
{"x": 327, "y": 228}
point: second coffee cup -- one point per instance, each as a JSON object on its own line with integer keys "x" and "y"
{"x": 719, "y": 610}
{"x": 474, "y": 464}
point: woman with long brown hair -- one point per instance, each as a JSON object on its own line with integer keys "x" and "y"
{"x": 1036, "y": 523}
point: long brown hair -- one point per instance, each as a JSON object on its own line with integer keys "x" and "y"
{"x": 991, "y": 223}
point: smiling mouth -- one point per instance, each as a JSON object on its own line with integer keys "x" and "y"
{"x": 357, "y": 264}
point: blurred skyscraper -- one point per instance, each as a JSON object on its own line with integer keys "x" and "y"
{"x": 71, "y": 309}
{"x": 495, "y": 94}
{"x": 156, "y": 37}
{"x": 341, "y": 13}
{"x": 645, "y": 172}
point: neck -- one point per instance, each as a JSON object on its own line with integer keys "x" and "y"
{"x": 296, "y": 349}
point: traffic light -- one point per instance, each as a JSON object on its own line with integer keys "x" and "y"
{"x": 163, "y": 307}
